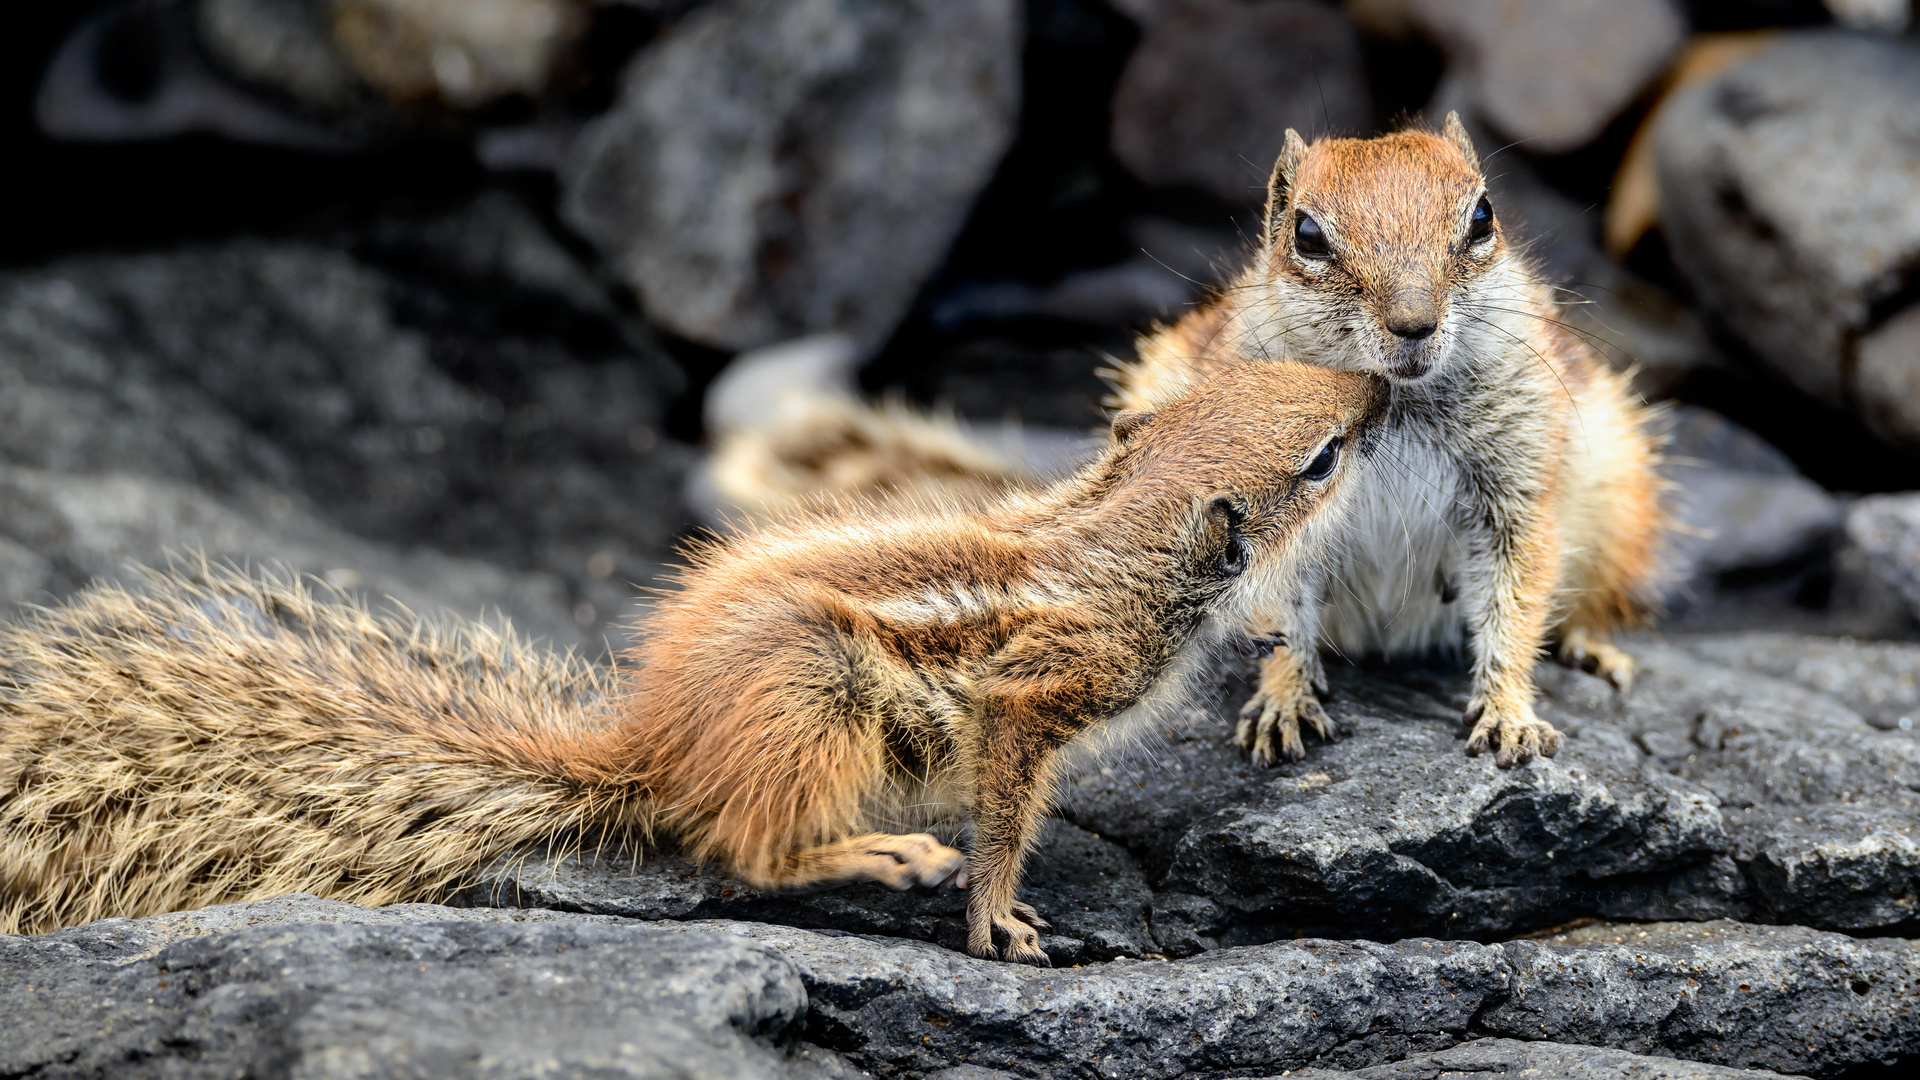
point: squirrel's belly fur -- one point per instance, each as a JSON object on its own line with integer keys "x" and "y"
{"x": 1380, "y": 595}
{"x": 809, "y": 688}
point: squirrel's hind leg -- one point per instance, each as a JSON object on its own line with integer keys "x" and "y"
{"x": 898, "y": 861}
{"x": 1589, "y": 651}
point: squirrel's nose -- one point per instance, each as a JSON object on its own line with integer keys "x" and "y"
{"x": 1413, "y": 330}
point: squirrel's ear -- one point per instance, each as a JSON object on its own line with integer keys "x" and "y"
{"x": 1456, "y": 133}
{"x": 1292, "y": 152}
{"x": 1128, "y": 422}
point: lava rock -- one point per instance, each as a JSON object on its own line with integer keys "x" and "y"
{"x": 1694, "y": 796}
{"x": 1394, "y": 830}
{"x": 770, "y": 172}
{"x": 60, "y": 531}
{"x": 1885, "y": 530}
{"x": 1818, "y": 803}
{"x": 1781, "y": 998}
{"x": 1091, "y": 890}
{"x": 446, "y": 382}
{"x": 1789, "y": 198}
{"x": 139, "y": 71}
{"x": 1880, "y": 680}
{"x": 331, "y": 989}
{"x": 1738, "y": 502}
{"x": 419, "y": 991}
{"x": 1510, "y": 1057}
{"x": 1548, "y": 75}
{"x": 1206, "y": 99}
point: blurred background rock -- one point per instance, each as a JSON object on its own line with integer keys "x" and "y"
{"x": 425, "y": 296}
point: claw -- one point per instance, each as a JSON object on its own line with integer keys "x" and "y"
{"x": 1516, "y": 733}
{"x": 1263, "y": 645}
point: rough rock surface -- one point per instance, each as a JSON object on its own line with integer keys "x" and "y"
{"x": 1791, "y": 199}
{"x": 426, "y": 384}
{"x": 1092, "y": 891}
{"x": 309, "y": 987}
{"x": 1207, "y": 97}
{"x": 1754, "y": 776}
{"x": 1548, "y": 75}
{"x": 318, "y": 989}
{"x": 1702, "y": 991}
{"x": 769, "y": 172}
{"x": 1510, "y": 1057}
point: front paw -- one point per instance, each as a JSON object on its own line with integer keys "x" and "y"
{"x": 1510, "y": 728}
{"x": 1011, "y": 934}
{"x": 1276, "y": 710}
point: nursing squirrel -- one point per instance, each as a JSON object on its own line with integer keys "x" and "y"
{"x": 811, "y": 689}
{"x": 1516, "y": 501}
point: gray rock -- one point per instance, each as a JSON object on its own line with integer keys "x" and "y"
{"x": 425, "y": 991}
{"x": 1788, "y": 196}
{"x": 1509, "y": 1057}
{"x": 1876, "y": 679}
{"x": 323, "y": 988}
{"x": 1739, "y": 520}
{"x": 135, "y": 72}
{"x": 1090, "y": 889}
{"x": 1550, "y": 76}
{"x": 1738, "y": 779}
{"x": 448, "y": 385}
{"x": 64, "y": 530}
{"x": 1818, "y": 803}
{"x": 770, "y": 172}
{"x": 1207, "y": 97}
{"x": 1705, "y": 439}
{"x": 1885, "y": 531}
{"x": 1781, "y": 998}
{"x": 1394, "y": 830}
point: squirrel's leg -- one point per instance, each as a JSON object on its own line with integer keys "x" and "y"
{"x": 1509, "y": 589}
{"x": 1289, "y": 675}
{"x": 898, "y": 861}
{"x": 1013, "y": 782}
{"x": 1589, "y": 650}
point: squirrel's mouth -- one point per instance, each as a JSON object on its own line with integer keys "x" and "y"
{"x": 1408, "y": 365}
{"x": 1410, "y": 361}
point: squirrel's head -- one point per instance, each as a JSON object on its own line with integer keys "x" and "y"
{"x": 1244, "y": 463}
{"x": 1367, "y": 246}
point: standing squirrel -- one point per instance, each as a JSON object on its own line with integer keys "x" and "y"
{"x": 1516, "y": 497}
{"x": 810, "y": 686}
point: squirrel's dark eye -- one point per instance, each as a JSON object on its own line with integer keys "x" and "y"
{"x": 1480, "y": 225}
{"x": 1308, "y": 240}
{"x": 1322, "y": 464}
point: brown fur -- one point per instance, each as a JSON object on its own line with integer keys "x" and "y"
{"x": 810, "y": 687}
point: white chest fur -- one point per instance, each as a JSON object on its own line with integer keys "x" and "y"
{"x": 1392, "y": 571}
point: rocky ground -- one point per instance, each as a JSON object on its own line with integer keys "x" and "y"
{"x": 431, "y": 311}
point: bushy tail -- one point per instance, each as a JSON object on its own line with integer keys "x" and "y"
{"x": 211, "y": 737}
{"x": 830, "y": 447}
